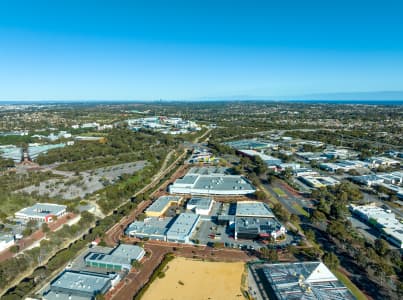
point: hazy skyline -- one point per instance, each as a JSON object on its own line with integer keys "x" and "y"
{"x": 146, "y": 50}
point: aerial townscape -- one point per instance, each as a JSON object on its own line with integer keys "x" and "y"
{"x": 201, "y": 150}
{"x": 274, "y": 208}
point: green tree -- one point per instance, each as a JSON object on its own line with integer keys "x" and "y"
{"x": 330, "y": 259}
{"x": 381, "y": 247}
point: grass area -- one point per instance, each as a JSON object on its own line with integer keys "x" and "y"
{"x": 351, "y": 286}
{"x": 300, "y": 209}
{"x": 279, "y": 192}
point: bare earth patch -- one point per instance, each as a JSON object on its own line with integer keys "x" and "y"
{"x": 196, "y": 280}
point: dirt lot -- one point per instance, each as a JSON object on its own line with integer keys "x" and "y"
{"x": 191, "y": 279}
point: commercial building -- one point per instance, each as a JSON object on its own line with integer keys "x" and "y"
{"x": 318, "y": 181}
{"x": 151, "y": 228}
{"x": 376, "y": 162}
{"x": 211, "y": 181}
{"x": 42, "y": 212}
{"x": 269, "y": 160}
{"x": 384, "y": 220}
{"x": 6, "y": 241}
{"x": 300, "y": 280}
{"x": 182, "y": 228}
{"x": 161, "y": 205}
{"x": 118, "y": 259}
{"x": 81, "y": 284}
{"x": 248, "y": 144}
{"x": 200, "y": 205}
{"x": 255, "y": 220}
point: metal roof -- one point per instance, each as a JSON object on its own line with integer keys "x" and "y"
{"x": 200, "y": 202}
{"x": 150, "y": 226}
{"x": 81, "y": 282}
{"x": 253, "y": 209}
{"x": 42, "y": 209}
{"x": 159, "y": 204}
{"x": 304, "y": 280}
{"x": 183, "y": 225}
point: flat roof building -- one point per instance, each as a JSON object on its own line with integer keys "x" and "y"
{"x": 42, "y": 212}
{"x": 6, "y": 241}
{"x": 300, "y": 280}
{"x": 182, "y": 228}
{"x": 269, "y": 160}
{"x": 247, "y": 144}
{"x": 152, "y": 228}
{"x": 255, "y": 220}
{"x": 84, "y": 284}
{"x": 200, "y": 205}
{"x": 161, "y": 205}
{"x": 211, "y": 181}
{"x": 385, "y": 221}
{"x": 118, "y": 259}
{"x": 253, "y": 209}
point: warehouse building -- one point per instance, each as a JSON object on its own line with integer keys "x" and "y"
{"x": 318, "y": 181}
{"x": 161, "y": 205}
{"x": 200, "y": 205}
{"x": 255, "y": 220}
{"x": 300, "y": 280}
{"x": 118, "y": 259}
{"x": 248, "y": 144}
{"x": 269, "y": 160}
{"x": 211, "y": 181}
{"x": 182, "y": 228}
{"x": 6, "y": 241}
{"x": 42, "y": 212}
{"x": 384, "y": 220}
{"x": 151, "y": 228}
{"x": 86, "y": 285}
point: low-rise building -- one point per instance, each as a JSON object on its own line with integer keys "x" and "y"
{"x": 182, "y": 228}
{"x": 268, "y": 159}
{"x": 376, "y": 162}
{"x": 42, "y": 212}
{"x": 151, "y": 228}
{"x": 256, "y": 220}
{"x": 6, "y": 241}
{"x": 318, "y": 181}
{"x": 298, "y": 280}
{"x": 200, "y": 205}
{"x": 161, "y": 205}
{"x": 384, "y": 220}
{"x": 81, "y": 284}
{"x": 118, "y": 259}
{"x": 211, "y": 181}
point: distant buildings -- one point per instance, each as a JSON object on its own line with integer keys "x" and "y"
{"x": 248, "y": 144}
{"x": 164, "y": 125}
{"x": 376, "y": 162}
{"x": 211, "y": 181}
{"x": 318, "y": 181}
{"x": 300, "y": 280}
{"x": 384, "y": 220}
{"x": 269, "y": 160}
{"x": 42, "y": 212}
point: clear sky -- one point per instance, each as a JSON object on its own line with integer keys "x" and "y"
{"x": 68, "y": 49}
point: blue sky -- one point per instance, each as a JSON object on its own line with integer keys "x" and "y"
{"x": 145, "y": 50}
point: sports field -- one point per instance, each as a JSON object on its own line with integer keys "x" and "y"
{"x": 190, "y": 279}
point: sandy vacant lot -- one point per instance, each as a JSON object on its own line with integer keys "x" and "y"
{"x": 200, "y": 280}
